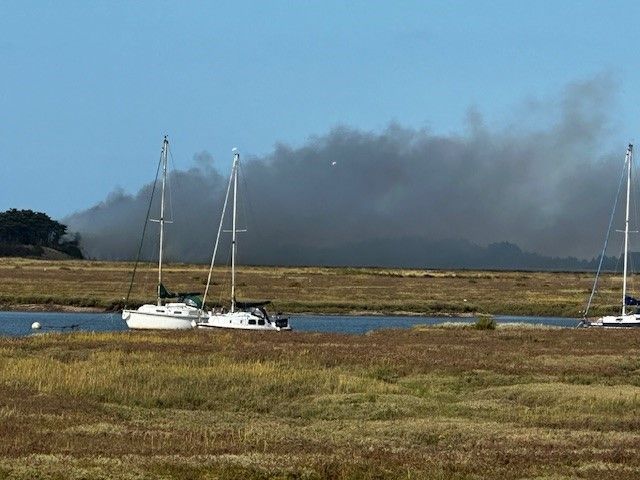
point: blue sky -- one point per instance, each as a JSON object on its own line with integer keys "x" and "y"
{"x": 87, "y": 89}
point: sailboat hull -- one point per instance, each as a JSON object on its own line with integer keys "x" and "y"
{"x": 167, "y": 317}
{"x": 244, "y": 321}
{"x": 617, "y": 321}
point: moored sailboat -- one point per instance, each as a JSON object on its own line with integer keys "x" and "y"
{"x": 243, "y": 315}
{"x": 180, "y": 314}
{"x": 626, "y": 318}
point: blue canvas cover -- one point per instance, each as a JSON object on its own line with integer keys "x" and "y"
{"x": 628, "y": 300}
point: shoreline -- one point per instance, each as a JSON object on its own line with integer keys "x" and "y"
{"x": 44, "y": 308}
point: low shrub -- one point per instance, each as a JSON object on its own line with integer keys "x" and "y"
{"x": 485, "y": 322}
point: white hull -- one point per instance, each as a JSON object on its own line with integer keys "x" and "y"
{"x": 617, "y": 321}
{"x": 173, "y": 316}
{"x": 241, "y": 321}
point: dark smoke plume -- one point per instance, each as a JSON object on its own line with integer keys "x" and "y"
{"x": 395, "y": 197}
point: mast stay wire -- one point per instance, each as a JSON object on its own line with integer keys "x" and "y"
{"x": 144, "y": 230}
{"x": 169, "y": 178}
{"x": 634, "y": 200}
{"x": 215, "y": 248}
{"x": 606, "y": 241}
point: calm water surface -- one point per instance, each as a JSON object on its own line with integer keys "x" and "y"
{"x": 19, "y": 323}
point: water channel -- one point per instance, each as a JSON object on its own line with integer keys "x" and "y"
{"x": 19, "y": 323}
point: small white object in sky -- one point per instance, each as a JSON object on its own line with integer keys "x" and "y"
{"x": 334, "y": 163}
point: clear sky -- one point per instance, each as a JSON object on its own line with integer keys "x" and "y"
{"x": 87, "y": 89}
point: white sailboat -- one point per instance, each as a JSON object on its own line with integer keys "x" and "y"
{"x": 178, "y": 315}
{"x": 243, "y": 315}
{"x": 626, "y": 318}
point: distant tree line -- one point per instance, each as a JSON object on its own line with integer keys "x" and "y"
{"x": 20, "y": 228}
{"x": 420, "y": 252}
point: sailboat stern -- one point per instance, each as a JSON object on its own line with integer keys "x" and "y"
{"x": 281, "y": 323}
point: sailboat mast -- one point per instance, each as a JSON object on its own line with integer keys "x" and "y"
{"x": 165, "y": 148}
{"x": 236, "y": 159}
{"x": 626, "y": 230}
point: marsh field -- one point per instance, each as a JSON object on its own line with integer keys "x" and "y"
{"x": 429, "y": 402}
{"x": 51, "y": 285}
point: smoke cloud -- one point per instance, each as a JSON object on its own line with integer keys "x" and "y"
{"x": 542, "y": 183}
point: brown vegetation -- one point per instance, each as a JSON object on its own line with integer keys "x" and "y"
{"x": 423, "y": 403}
{"x": 103, "y": 285}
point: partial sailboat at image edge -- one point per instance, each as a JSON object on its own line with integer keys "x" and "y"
{"x": 179, "y": 315}
{"x": 625, "y": 319}
{"x": 244, "y": 315}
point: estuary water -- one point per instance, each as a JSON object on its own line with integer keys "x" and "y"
{"x": 19, "y": 323}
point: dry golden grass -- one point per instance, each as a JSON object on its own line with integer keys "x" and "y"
{"x": 51, "y": 284}
{"x": 422, "y": 403}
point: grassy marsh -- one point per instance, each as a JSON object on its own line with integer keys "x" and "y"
{"x": 423, "y": 403}
{"x": 102, "y": 285}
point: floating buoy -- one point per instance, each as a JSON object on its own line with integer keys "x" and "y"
{"x": 36, "y": 326}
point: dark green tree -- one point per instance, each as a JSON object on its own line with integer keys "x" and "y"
{"x": 26, "y": 227}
